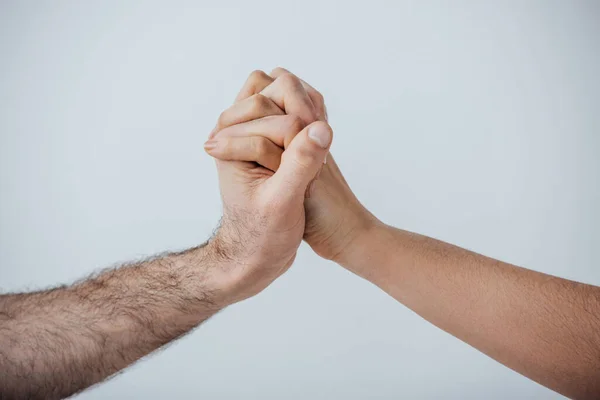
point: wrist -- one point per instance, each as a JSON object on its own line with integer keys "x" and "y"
{"x": 358, "y": 226}
{"x": 214, "y": 266}
{"x": 233, "y": 270}
{"x": 195, "y": 273}
{"x": 363, "y": 255}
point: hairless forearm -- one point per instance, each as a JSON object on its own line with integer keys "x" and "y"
{"x": 544, "y": 327}
{"x": 57, "y": 342}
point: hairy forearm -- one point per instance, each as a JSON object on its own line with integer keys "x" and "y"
{"x": 542, "y": 326}
{"x": 57, "y": 342}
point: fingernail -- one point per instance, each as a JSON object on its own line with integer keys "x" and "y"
{"x": 319, "y": 134}
{"x": 325, "y": 159}
{"x": 210, "y": 144}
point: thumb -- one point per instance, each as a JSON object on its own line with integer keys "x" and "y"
{"x": 302, "y": 159}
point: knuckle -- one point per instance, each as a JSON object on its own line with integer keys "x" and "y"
{"x": 302, "y": 158}
{"x": 222, "y": 120}
{"x": 295, "y": 123}
{"x": 259, "y": 145}
{"x": 279, "y": 71}
{"x": 259, "y": 103}
{"x": 290, "y": 80}
{"x": 257, "y": 75}
{"x": 302, "y": 161}
{"x": 292, "y": 126}
{"x": 319, "y": 96}
{"x": 305, "y": 157}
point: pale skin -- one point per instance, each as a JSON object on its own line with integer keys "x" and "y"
{"x": 541, "y": 326}
{"x": 277, "y": 190}
{"x": 55, "y": 343}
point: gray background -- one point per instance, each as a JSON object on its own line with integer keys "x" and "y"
{"x": 473, "y": 122}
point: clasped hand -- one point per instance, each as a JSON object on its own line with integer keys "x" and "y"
{"x": 278, "y": 183}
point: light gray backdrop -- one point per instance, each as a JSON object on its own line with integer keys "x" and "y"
{"x": 474, "y": 122}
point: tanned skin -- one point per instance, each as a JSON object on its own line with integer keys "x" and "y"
{"x": 58, "y": 342}
{"x": 271, "y": 155}
{"x": 541, "y": 326}
{"x": 544, "y": 327}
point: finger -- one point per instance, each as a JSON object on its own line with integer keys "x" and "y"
{"x": 279, "y": 129}
{"x": 301, "y": 161}
{"x": 289, "y": 95}
{"x": 254, "y": 107}
{"x": 311, "y": 185}
{"x": 315, "y": 96}
{"x": 256, "y": 82}
{"x": 247, "y": 148}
